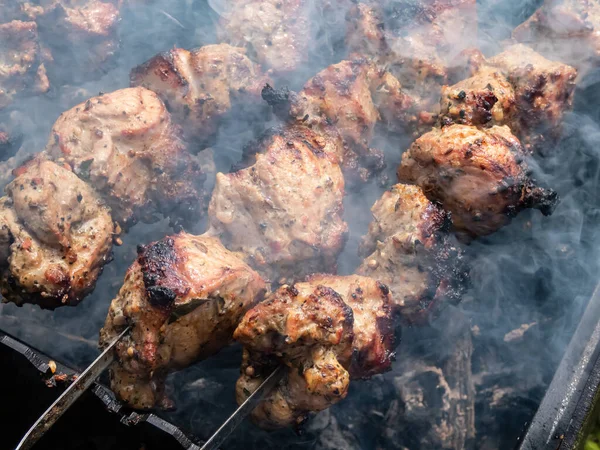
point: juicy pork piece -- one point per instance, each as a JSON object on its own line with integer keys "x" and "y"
{"x": 478, "y": 175}
{"x": 183, "y": 296}
{"x": 21, "y": 70}
{"x": 326, "y": 331}
{"x": 80, "y": 34}
{"x": 566, "y": 30}
{"x": 519, "y": 88}
{"x": 408, "y": 248}
{"x": 55, "y": 236}
{"x": 284, "y": 211}
{"x": 418, "y": 42}
{"x": 351, "y": 96}
{"x": 126, "y": 146}
{"x": 200, "y": 86}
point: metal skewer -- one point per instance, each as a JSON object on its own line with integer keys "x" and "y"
{"x": 245, "y": 408}
{"x": 70, "y": 395}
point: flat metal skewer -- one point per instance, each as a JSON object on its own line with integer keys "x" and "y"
{"x": 70, "y": 395}
{"x": 245, "y": 408}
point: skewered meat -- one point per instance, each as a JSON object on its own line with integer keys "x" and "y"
{"x": 479, "y": 175}
{"x": 276, "y": 31}
{"x": 55, "y": 237}
{"x": 417, "y": 41}
{"x": 568, "y": 30}
{"x": 81, "y": 35}
{"x": 126, "y": 146}
{"x": 21, "y": 68}
{"x": 518, "y": 88}
{"x": 284, "y": 211}
{"x": 352, "y": 96}
{"x": 184, "y": 296}
{"x": 408, "y": 248}
{"x": 316, "y": 332}
{"x": 200, "y": 86}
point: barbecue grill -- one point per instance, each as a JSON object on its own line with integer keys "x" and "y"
{"x": 516, "y": 364}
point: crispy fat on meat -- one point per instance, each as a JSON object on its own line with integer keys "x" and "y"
{"x": 283, "y": 211}
{"x": 326, "y": 331}
{"x": 22, "y": 71}
{"x": 478, "y": 175}
{"x": 184, "y": 296}
{"x": 126, "y": 146}
{"x": 56, "y": 235}
{"x": 408, "y": 248}
{"x": 519, "y": 88}
{"x": 200, "y": 86}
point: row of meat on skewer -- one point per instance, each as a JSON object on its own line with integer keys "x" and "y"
{"x": 263, "y": 272}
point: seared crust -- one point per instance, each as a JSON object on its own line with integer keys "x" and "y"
{"x": 56, "y": 236}
{"x": 126, "y": 146}
{"x": 480, "y": 176}
{"x": 22, "y": 71}
{"x": 200, "y": 86}
{"x": 409, "y": 249}
{"x": 308, "y": 328}
{"x": 284, "y": 211}
{"x": 184, "y": 296}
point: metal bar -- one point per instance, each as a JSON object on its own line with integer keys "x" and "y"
{"x": 245, "y": 408}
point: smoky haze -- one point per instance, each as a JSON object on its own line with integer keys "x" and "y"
{"x": 530, "y": 281}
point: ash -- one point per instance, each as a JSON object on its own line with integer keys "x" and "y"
{"x": 457, "y": 383}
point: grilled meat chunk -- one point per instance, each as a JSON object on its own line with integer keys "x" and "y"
{"x": 126, "y": 146}
{"x": 519, "y": 88}
{"x": 276, "y": 31}
{"x": 326, "y": 331}
{"x": 200, "y": 86}
{"x": 184, "y": 296}
{"x": 284, "y": 211}
{"x": 22, "y": 71}
{"x": 418, "y": 42}
{"x": 80, "y": 34}
{"x": 408, "y": 248}
{"x": 352, "y": 96}
{"x": 566, "y": 30}
{"x": 56, "y": 236}
{"x": 479, "y": 175}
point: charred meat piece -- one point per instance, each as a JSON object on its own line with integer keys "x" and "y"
{"x": 126, "y": 146}
{"x": 409, "y": 249}
{"x": 56, "y": 235}
{"x": 22, "y": 71}
{"x": 417, "y": 41}
{"x": 351, "y": 96}
{"x": 200, "y": 86}
{"x": 566, "y": 30}
{"x": 326, "y": 331}
{"x": 183, "y": 296}
{"x": 80, "y": 34}
{"x": 519, "y": 88}
{"x": 478, "y": 175}
{"x": 283, "y": 211}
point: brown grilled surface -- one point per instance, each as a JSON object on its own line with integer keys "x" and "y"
{"x": 351, "y": 96}
{"x": 308, "y": 327}
{"x": 518, "y": 88}
{"x": 409, "y": 249}
{"x": 478, "y": 175}
{"x": 55, "y": 238}
{"x": 284, "y": 211}
{"x": 418, "y": 42}
{"x": 566, "y": 30}
{"x": 22, "y": 71}
{"x": 183, "y": 296}
{"x": 126, "y": 146}
{"x": 202, "y": 85}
